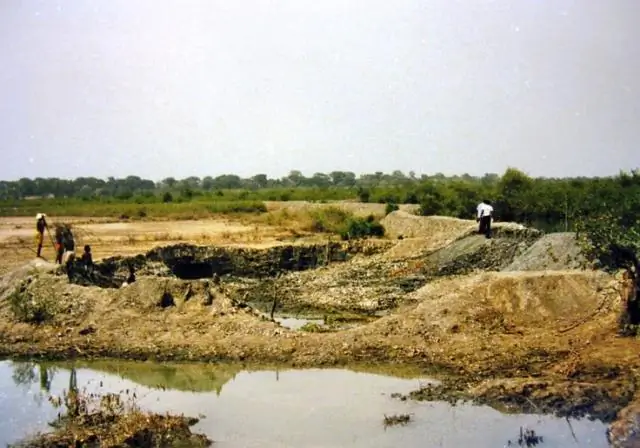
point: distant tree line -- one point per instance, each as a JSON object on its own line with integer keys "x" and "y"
{"x": 129, "y": 186}
{"x": 549, "y": 203}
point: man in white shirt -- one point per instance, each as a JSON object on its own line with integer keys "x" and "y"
{"x": 485, "y": 212}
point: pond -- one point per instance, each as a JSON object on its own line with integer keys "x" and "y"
{"x": 280, "y": 408}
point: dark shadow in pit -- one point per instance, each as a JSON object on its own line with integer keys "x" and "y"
{"x": 192, "y": 271}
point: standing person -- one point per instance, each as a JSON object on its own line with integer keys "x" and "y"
{"x": 68, "y": 251}
{"x": 41, "y": 226}
{"x": 485, "y": 213}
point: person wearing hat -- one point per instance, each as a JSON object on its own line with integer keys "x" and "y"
{"x": 41, "y": 226}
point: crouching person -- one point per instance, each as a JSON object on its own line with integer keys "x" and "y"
{"x": 66, "y": 249}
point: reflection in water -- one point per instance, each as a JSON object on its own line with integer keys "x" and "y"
{"x": 180, "y": 377}
{"x": 24, "y": 374}
{"x": 314, "y": 407}
{"x": 27, "y": 374}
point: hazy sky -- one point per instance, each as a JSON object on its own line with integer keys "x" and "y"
{"x": 177, "y": 88}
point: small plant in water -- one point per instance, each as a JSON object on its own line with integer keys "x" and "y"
{"x": 527, "y": 438}
{"x": 394, "y": 420}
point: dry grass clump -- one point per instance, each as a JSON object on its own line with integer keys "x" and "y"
{"x": 108, "y": 420}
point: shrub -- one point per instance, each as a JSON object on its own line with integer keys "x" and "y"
{"x": 167, "y": 197}
{"x": 391, "y": 207}
{"x": 364, "y": 195}
{"x": 330, "y": 220}
{"x": 362, "y": 228}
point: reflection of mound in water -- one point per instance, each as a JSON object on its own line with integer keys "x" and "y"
{"x": 182, "y": 377}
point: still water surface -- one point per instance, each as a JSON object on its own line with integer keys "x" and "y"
{"x": 287, "y": 408}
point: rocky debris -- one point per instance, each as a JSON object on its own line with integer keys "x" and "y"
{"x": 554, "y": 251}
{"x": 624, "y": 432}
{"x": 475, "y": 252}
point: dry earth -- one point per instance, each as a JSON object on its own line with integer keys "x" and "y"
{"x": 505, "y": 321}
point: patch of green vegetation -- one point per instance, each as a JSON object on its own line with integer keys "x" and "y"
{"x": 357, "y": 227}
{"x": 391, "y": 207}
{"x": 548, "y": 204}
{"x": 345, "y": 224}
{"x": 312, "y": 327}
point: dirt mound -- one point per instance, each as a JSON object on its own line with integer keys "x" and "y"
{"x": 559, "y": 327}
{"x": 554, "y": 251}
{"x": 436, "y": 228}
{"x": 525, "y": 300}
{"x": 11, "y": 280}
{"x": 424, "y": 234}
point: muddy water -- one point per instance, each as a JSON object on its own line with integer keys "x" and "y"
{"x": 287, "y": 408}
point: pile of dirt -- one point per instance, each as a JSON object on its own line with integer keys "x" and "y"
{"x": 556, "y": 326}
{"x": 440, "y": 229}
{"x": 422, "y": 235}
{"x": 554, "y": 251}
{"x": 12, "y": 279}
{"x": 507, "y": 302}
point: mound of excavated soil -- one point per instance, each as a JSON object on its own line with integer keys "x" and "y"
{"x": 555, "y": 251}
{"x": 436, "y": 228}
{"x": 424, "y": 234}
{"x": 9, "y": 281}
{"x": 470, "y": 316}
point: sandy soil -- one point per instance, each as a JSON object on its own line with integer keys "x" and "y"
{"x": 17, "y": 236}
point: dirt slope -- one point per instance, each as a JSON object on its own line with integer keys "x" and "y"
{"x": 424, "y": 234}
{"x": 555, "y": 251}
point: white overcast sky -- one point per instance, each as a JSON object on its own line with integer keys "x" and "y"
{"x": 162, "y": 88}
